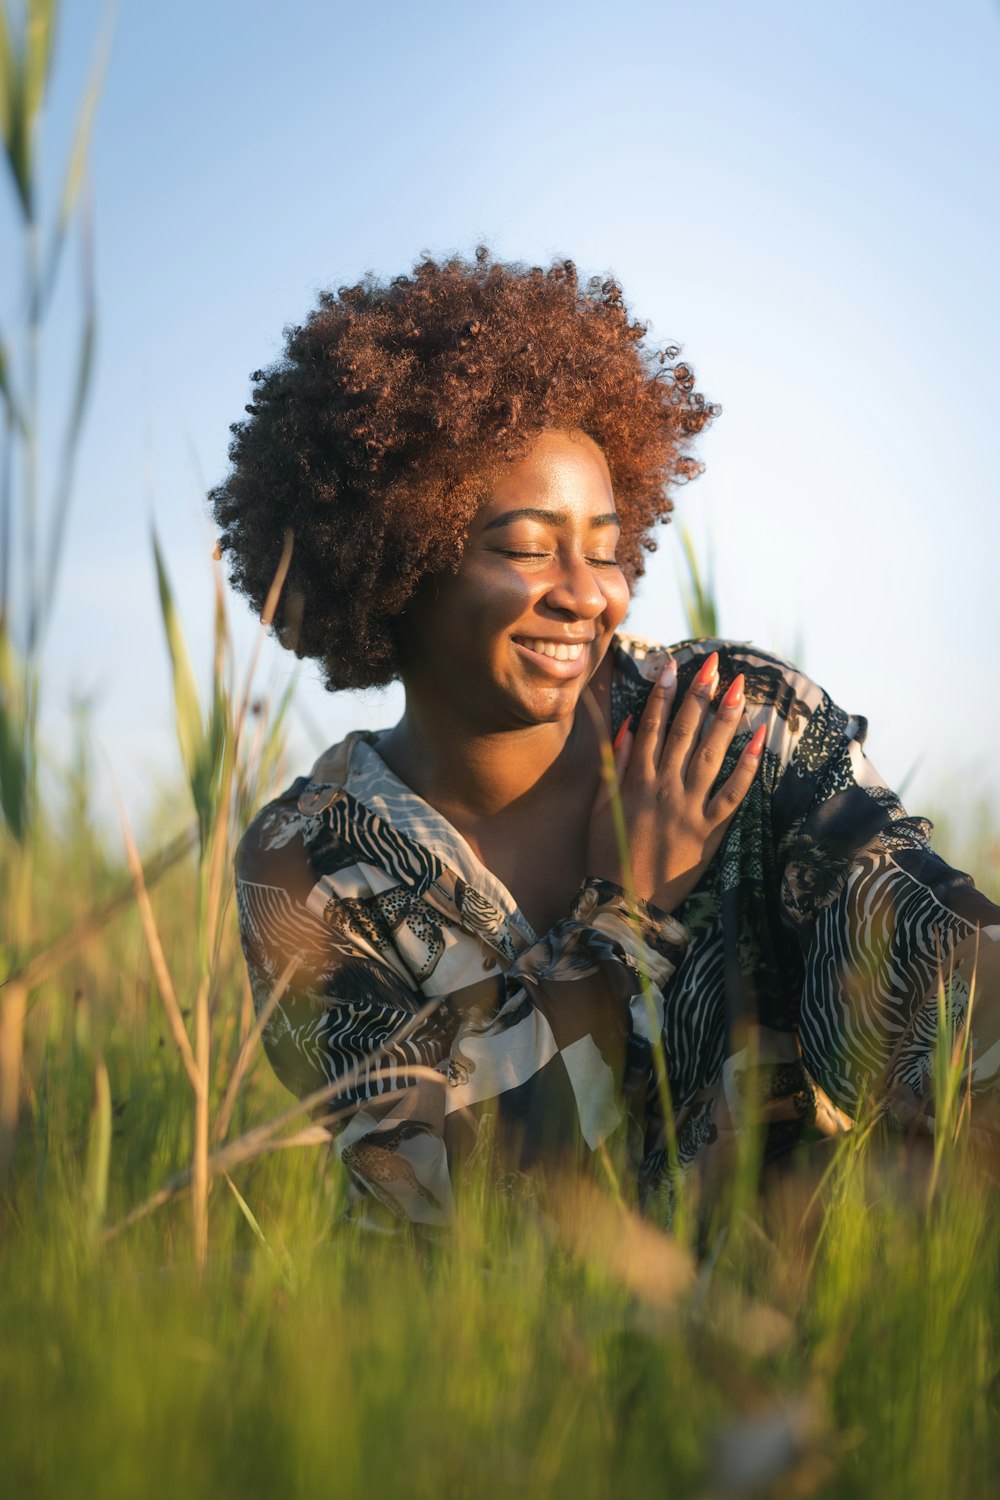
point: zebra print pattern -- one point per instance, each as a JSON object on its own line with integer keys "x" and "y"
{"x": 874, "y": 960}
{"x": 352, "y": 833}
{"x": 798, "y": 977}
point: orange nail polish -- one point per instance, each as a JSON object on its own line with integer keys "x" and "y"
{"x": 734, "y": 692}
{"x": 756, "y": 745}
{"x": 623, "y": 731}
{"x": 709, "y": 667}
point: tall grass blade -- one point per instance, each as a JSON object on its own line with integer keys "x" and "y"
{"x": 27, "y": 33}
{"x": 250, "y": 1217}
{"x": 952, "y": 1064}
{"x": 698, "y": 593}
{"x": 266, "y": 754}
{"x": 262, "y": 1139}
{"x": 8, "y": 78}
{"x": 6, "y": 511}
{"x": 266, "y": 619}
{"x": 14, "y": 413}
{"x": 24, "y": 69}
{"x": 98, "y": 1156}
{"x": 200, "y": 1178}
{"x": 71, "y": 441}
{"x": 80, "y": 148}
{"x": 284, "y": 1265}
{"x": 248, "y": 1048}
{"x": 41, "y": 21}
{"x": 161, "y": 969}
{"x": 14, "y": 777}
{"x": 13, "y": 1010}
{"x": 187, "y": 710}
{"x": 48, "y": 959}
{"x": 13, "y": 109}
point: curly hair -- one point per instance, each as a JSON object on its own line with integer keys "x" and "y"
{"x": 375, "y": 439}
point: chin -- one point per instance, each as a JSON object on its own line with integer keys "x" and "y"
{"x": 559, "y": 707}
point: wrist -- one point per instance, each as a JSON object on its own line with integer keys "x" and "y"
{"x": 651, "y": 938}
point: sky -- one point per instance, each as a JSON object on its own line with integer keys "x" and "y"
{"x": 803, "y": 196}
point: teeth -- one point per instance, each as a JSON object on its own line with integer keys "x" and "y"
{"x": 557, "y": 650}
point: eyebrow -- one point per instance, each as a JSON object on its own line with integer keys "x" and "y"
{"x": 548, "y": 517}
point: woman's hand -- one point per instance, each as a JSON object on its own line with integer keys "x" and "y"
{"x": 665, "y": 778}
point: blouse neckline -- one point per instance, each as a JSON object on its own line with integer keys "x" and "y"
{"x": 356, "y": 765}
{"x": 372, "y": 782}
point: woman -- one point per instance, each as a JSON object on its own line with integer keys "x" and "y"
{"x": 471, "y": 462}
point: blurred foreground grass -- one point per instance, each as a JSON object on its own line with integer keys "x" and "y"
{"x": 855, "y": 1353}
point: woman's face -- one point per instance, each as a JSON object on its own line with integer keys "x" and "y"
{"x": 515, "y": 635}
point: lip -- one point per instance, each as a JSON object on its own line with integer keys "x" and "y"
{"x": 563, "y": 671}
{"x": 561, "y": 640}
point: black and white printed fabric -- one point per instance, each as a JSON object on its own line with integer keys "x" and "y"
{"x": 801, "y": 980}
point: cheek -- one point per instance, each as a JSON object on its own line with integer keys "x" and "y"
{"x": 619, "y": 597}
{"x": 497, "y": 600}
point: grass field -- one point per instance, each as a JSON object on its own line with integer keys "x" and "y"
{"x": 250, "y": 1341}
{"x": 183, "y": 1309}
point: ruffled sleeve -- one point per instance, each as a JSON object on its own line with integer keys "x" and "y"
{"x": 890, "y": 934}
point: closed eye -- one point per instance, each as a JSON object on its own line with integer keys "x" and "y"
{"x": 595, "y": 562}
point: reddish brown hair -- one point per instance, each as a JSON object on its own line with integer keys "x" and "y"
{"x": 375, "y": 437}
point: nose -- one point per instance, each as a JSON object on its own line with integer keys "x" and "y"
{"x": 576, "y": 590}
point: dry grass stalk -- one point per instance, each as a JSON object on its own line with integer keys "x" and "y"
{"x": 625, "y": 1247}
{"x": 27, "y": 594}
{"x": 266, "y": 620}
{"x": 199, "y": 1163}
{"x": 50, "y": 958}
{"x": 13, "y": 1010}
{"x": 164, "y": 982}
{"x": 248, "y": 1048}
{"x": 261, "y": 1139}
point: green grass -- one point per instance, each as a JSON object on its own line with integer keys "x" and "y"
{"x": 243, "y": 1339}
{"x": 857, "y": 1356}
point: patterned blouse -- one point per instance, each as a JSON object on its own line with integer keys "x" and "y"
{"x": 799, "y": 981}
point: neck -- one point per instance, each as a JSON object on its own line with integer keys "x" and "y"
{"x": 470, "y": 774}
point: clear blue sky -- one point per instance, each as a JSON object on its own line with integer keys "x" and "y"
{"x": 804, "y": 195}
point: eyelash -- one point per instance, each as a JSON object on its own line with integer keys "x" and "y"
{"x": 595, "y": 562}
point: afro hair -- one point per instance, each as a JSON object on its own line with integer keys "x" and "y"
{"x": 374, "y": 439}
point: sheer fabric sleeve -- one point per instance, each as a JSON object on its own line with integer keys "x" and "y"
{"x": 885, "y": 928}
{"x": 528, "y": 1061}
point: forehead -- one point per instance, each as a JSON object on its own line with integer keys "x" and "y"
{"x": 563, "y": 471}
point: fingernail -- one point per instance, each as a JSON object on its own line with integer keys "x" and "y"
{"x": 709, "y": 669}
{"x": 668, "y": 674}
{"x": 623, "y": 731}
{"x": 756, "y": 744}
{"x": 734, "y": 692}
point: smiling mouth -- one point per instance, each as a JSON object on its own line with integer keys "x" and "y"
{"x": 555, "y": 650}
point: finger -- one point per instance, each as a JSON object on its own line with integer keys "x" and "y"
{"x": 708, "y": 755}
{"x": 652, "y": 730}
{"x": 689, "y": 718}
{"x": 726, "y": 802}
